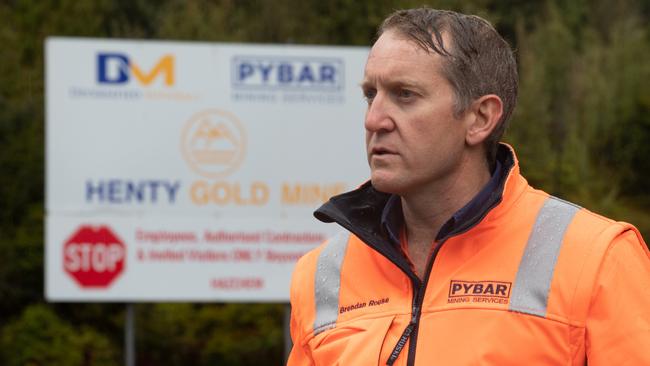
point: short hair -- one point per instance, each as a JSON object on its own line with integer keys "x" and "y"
{"x": 478, "y": 61}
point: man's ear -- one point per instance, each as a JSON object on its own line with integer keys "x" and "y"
{"x": 486, "y": 113}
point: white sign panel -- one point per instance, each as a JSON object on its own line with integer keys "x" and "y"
{"x": 189, "y": 171}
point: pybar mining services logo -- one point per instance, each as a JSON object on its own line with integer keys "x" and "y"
{"x": 213, "y": 143}
{"x": 494, "y": 292}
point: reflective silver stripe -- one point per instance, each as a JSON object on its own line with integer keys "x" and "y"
{"x": 328, "y": 282}
{"x": 532, "y": 284}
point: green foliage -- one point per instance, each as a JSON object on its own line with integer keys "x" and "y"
{"x": 581, "y": 126}
{"x": 230, "y": 334}
{"x": 581, "y": 131}
{"x": 39, "y": 337}
{"x": 244, "y": 335}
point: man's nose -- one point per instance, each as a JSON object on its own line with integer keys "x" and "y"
{"x": 378, "y": 116}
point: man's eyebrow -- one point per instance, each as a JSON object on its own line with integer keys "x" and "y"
{"x": 366, "y": 83}
{"x": 391, "y": 83}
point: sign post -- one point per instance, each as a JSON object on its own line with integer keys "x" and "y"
{"x": 129, "y": 336}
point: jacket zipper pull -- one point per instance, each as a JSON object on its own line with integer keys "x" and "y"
{"x": 402, "y": 340}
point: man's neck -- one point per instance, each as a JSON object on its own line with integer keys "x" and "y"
{"x": 427, "y": 210}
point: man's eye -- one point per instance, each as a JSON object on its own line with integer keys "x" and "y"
{"x": 405, "y": 94}
{"x": 369, "y": 94}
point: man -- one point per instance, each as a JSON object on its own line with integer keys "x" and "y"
{"x": 448, "y": 256}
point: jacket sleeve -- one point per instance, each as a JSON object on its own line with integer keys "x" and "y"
{"x": 299, "y": 355}
{"x": 618, "y": 322}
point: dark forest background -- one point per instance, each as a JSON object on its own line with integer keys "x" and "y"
{"x": 581, "y": 130}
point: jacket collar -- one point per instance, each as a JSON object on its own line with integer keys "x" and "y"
{"x": 360, "y": 211}
{"x": 392, "y": 218}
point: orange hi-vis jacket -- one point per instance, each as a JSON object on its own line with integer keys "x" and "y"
{"x": 531, "y": 280}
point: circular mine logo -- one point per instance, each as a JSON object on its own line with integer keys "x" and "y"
{"x": 213, "y": 143}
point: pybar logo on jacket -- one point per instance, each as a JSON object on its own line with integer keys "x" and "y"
{"x": 479, "y": 291}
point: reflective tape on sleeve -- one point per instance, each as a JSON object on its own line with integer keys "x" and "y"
{"x": 328, "y": 282}
{"x": 533, "y": 282}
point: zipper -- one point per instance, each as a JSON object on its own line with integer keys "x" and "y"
{"x": 411, "y": 330}
{"x": 404, "y": 337}
{"x": 420, "y": 300}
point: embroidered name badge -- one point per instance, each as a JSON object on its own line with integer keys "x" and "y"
{"x": 363, "y": 304}
{"x": 496, "y": 292}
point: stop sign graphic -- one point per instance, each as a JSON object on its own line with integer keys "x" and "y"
{"x": 94, "y": 256}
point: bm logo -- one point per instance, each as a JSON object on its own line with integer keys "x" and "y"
{"x": 297, "y": 73}
{"x": 118, "y": 68}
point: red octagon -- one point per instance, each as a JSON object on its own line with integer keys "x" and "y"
{"x": 94, "y": 256}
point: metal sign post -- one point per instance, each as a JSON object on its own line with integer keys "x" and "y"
{"x": 288, "y": 344}
{"x": 129, "y": 336}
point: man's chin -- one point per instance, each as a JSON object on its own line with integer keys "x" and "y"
{"x": 385, "y": 185}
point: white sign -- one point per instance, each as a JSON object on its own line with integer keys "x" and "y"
{"x": 189, "y": 171}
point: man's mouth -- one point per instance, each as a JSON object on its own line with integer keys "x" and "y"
{"x": 381, "y": 151}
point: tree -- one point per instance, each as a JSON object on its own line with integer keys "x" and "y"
{"x": 39, "y": 337}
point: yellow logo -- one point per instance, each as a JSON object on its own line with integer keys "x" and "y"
{"x": 213, "y": 143}
{"x": 164, "y": 67}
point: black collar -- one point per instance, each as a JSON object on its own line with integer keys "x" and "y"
{"x": 362, "y": 211}
{"x": 392, "y": 218}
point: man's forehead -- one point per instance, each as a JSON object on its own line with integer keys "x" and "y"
{"x": 395, "y": 56}
{"x": 440, "y": 40}
{"x": 394, "y": 43}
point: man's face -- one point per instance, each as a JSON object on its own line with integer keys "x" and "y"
{"x": 414, "y": 142}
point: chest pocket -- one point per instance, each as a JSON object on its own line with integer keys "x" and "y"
{"x": 357, "y": 343}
